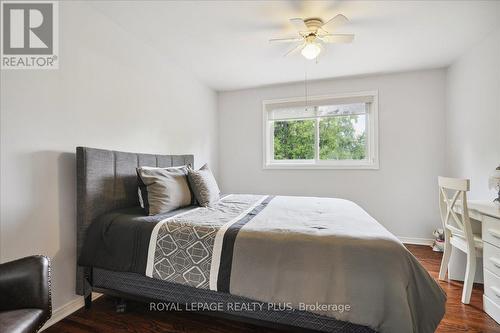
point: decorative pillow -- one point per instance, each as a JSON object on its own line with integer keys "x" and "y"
{"x": 163, "y": 189}
{"x": 139, "y": 192}
{"x": 204, "y": 186}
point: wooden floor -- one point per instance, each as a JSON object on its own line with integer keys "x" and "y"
{"x": 103, "y": 318}
{"x": 459, "y": 317}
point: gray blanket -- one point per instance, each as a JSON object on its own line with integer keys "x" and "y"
{"x": 322, "y": 255}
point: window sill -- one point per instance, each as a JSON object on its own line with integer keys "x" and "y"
{"x": 277, "y": 166}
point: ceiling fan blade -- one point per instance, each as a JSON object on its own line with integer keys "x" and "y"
{"x": 286, "y": 40}
{"x": 299, "y": 24}
{"x": 334, "y": 23}
{"x": 337, "y": 38}
{"x": 295, "y": 49}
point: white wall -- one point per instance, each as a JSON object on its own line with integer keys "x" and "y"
{"x": 473, "y": 125}
{"x": 473, "y": 115}
{"x": 402, "y": 195}
{"x": 112, "y": 91}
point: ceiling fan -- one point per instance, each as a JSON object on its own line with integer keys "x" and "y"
{"x": 313, "y": 33}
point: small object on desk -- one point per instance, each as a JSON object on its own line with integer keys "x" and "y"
{"x": 494, "y": 183}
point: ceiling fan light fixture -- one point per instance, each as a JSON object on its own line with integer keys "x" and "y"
{"x": 311, "y": 50}
{"x": 313, "y": 34}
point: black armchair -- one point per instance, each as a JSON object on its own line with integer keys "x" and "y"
{"x": 25, "y": 296}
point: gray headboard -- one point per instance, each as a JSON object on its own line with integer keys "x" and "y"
{"x": 107, "y": 180}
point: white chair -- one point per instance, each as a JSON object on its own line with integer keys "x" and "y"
{"x": 458, "y": 230}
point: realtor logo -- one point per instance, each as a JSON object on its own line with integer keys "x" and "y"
{"x": 29, "y": 35}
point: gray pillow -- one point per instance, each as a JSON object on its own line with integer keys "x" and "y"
{"x": 163, "y": 189}
{"x": 204, "y": 186}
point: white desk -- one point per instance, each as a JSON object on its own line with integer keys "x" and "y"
{"x": 488, "y": 214}
{"x": 480, "y": 208}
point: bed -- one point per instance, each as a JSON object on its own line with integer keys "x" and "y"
{"x": 310, "y": 263}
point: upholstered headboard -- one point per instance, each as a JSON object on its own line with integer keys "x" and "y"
{"x": 107, "y": 180}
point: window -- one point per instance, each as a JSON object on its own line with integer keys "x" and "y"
{"x": 337, "y": 132}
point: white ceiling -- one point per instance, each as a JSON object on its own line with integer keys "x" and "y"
{"x": 225, "y": 43}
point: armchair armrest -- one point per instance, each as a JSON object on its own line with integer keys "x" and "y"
{"x": 25, "y": 283}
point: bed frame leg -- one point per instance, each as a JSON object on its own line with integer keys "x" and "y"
{"x": 121, "y": 305}
{"x": 88, "y": 302}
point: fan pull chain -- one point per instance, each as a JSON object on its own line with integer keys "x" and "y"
{"x": 305, "y": 84}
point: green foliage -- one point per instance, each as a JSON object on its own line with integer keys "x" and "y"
{"x": 338, "y": 140}
{"x": 294, "y": 140}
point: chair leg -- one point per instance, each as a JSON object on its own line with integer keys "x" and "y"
{"x": 470, "y": 273}
{"x": 445, "y": 260}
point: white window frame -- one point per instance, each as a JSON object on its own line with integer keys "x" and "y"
{"x": 372, "y": 160}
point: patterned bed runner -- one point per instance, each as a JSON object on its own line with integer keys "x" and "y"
{"x": 195, "y": 248}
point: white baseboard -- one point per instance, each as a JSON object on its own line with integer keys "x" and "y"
{"x": 67, "y": 309}
{"x": 416, "y": 241}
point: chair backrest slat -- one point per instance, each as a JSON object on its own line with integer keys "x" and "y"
{"x": 454, "y": 183}
{"x": 449, "y": 204}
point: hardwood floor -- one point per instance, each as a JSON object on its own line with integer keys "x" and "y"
{"x": 103, "y": 318}
{"x": 459, "y": 317}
